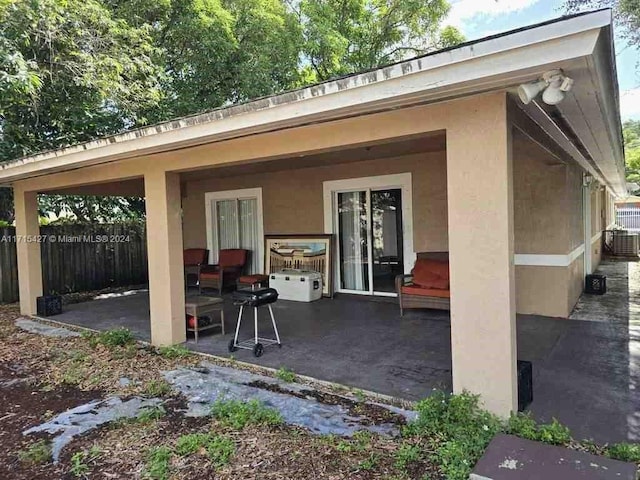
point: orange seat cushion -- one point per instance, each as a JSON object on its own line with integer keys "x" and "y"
{"x": 210, "y": 275}
{"x": 431, "y": 274}
{"x": 251, "y": 279}
{"x": 425, "y": 292}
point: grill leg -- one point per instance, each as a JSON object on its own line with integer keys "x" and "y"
{"x": 255, "y": 324}
{"x": 273, "y": 321}
{"x": 235, "y": 338}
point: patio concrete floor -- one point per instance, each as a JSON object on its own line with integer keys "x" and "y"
{"x": 586, "y": 371}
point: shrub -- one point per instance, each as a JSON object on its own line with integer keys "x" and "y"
{"x": 406, "y": 455}
{"x": 627, "y": 452}
{"x": 238, "y": 414}
{"x": 554, "y": 433}
{"x": 523, "y": 425}
{"x": 157, "y": 464}
{"x": 36, "y": 453}
{"x": 286, "y": 375}
{"x": 458, "y": 429}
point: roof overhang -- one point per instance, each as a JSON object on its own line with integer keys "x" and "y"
{"x": 581, "y": 45}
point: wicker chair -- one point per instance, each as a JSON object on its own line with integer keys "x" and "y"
{"x": 226, "y": 272}
{"x": 416, "y": 296}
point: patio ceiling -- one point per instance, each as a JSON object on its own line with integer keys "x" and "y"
{"x": 586, "y": 125}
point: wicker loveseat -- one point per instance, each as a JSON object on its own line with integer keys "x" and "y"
{"x": 428, "y": 284}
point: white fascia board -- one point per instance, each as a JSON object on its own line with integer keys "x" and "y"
{"x": 483, "y": 66}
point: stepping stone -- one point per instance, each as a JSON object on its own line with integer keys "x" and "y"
{"x": 509, "y": 458}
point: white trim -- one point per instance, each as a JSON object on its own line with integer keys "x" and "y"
{"x": 596, "y": 237}
{"x": 229, "y": 195}
{"x": 586, "y": 224}
{"x": 547, "y": 260}
{"x": 403, "y": 181}
{"x": 490, "y": 64}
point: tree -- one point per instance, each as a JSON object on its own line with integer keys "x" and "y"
{"x": 631, "y": 132}
{"x": 92, "y": 209}
{"x": 217, "y": 52}
{"x": 77, "y": 74}
{"x": 627, "y": 15}
{"x": 346, "y": 36}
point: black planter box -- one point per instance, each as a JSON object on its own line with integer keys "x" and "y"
{"x": 596, "y": 284}
{"x": 525, "y": 384}
{"x": 49, "y": 305}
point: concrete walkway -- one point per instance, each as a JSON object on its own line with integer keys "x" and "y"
{"x": 586, "y": 372}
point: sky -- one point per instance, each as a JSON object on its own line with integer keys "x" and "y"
{"x": 479, "y": 18}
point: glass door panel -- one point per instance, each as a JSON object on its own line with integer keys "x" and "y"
{"x": 353, "y": 240}
{"x": 387, "y": 240}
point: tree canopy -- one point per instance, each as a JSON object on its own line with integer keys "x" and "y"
{"x": 631, "y": 132}
{"x": 74, "y": 70}
{"x": 627, "y": 15}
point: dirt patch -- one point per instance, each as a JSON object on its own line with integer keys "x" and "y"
{"x": 25, "y": 403}
{"x": 370, "y": 414}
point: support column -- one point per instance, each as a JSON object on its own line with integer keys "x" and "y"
{"x": 480, "y": 202}
{"x": 164, "y": 251}
{"x": 28, "y": 249}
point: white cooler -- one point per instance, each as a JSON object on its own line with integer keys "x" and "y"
{"x": 297, "y": 285}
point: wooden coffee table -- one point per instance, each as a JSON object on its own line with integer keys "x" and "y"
{"x": 198, "y": 306}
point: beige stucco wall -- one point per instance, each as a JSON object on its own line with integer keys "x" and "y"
{"x": 293, "y": 202}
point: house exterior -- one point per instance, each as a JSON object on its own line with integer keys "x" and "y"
{"x": 438, "y": 149}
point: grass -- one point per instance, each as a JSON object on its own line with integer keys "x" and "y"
{"x": 158, "y": 463}
{"x": 157, "y": 388}
{"x": 37, "y": 453}
{"x": 174, "y": 351}
{"x": 627, "y": 452}
{"x": 286, "y": 375}
{"x": 150, "y": 414}
{"x": 117, "y": 337}
{"x": 80, "y": 461}
{"x": 237, "y": 414}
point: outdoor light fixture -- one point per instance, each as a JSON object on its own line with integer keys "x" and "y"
{"x": 554, "y": 85}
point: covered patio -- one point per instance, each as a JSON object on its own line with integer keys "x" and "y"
{"x": 513, "y": 214}
{"x": 585, "y": 371}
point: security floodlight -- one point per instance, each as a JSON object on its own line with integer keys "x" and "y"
{"x": 554, "y": 83}
{"x": 528, "y": 91}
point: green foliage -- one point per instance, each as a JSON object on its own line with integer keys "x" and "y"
{"x": 346, "y": 36}
{"x": 80, "y": 461}
{"x": 627, "y": 15}
{"x": 77, "y": 73}
{"x": 286, "y": 375}
{"x": 237, "y": 414}
{"x": 117, "y": 337}
{"x": 370, "y": 462}
{"x": 150, "y": 414}
{"x": 523, "y": 425}
{"x": 37, "y": 453}
{"x": 627, "y": 452}
{"x": 631, "y": 133}
{"x": 458, "y": 429}
{"x": 174, "y": 351}
{"x": 407, "y": 454}
{"x": 219, "y": 448}
{"x": 157, "y": 388}
{"x": 157, "y": 463}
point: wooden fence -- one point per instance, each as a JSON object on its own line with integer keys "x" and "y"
{"x": 78, "y": 258}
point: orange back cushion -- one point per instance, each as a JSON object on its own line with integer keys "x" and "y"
{"x": 195, "y": 256}
{"x": 431, "y": 274}
{"x": 232, "y": 257}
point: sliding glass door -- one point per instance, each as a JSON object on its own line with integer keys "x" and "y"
{"x": 370, "y": 241}
{"x": 236, "y": 222}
